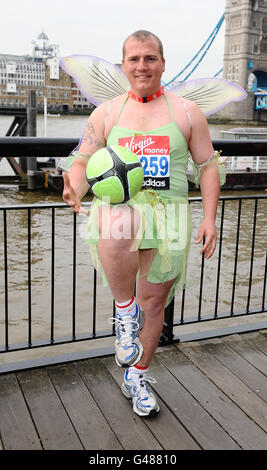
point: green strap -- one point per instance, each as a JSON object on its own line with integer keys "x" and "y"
{"x": 120, "y": 111}
{"x": 170, "y": 108}
{"x": 123, "y": 104}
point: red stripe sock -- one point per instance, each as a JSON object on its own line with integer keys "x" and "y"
{"x": 139, "y": 367}
{"x": 123, "y": 305}
{"x": 137, "y": 370}
{"x": 126, "y": 308}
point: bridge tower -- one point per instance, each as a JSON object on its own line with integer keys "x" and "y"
{"x": 245, "y": 57}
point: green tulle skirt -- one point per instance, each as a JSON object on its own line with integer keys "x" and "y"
{"x": 164, "y": 225}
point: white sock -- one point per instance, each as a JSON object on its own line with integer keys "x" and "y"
{"x": 138, "y": 370}
{"x": 126, "y": 308}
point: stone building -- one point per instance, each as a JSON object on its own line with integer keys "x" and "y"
{"x": 43, "y": 49}
{"x": 245, "y": 57}
{"x": 18, "y": 74}
{"x": 40, "y": 72}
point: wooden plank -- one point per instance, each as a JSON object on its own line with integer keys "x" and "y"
{"x": 251, "y": 376}
{"x": 236, "y": 390}
{"x": 87, "y": 419}
{"x": 257, "y": 340}
{"x": 235, "y": 422}
{"x": 16, "y": 427}
{"x": 48, "y": 413}
{"x": 203, "y": 428}
{"x": 165, "y": 426}
{"x": 247, "y": 351}
{"x": 204, "y": 392}
{"x": 128, "y": 427}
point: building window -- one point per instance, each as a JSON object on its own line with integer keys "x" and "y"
{"x": 255, "y": 48}
{"x": 235, "y": 48}
{"x": 233, "y": 72}
{"x": 235, "y": 22}
{"x": 263, "y": 45}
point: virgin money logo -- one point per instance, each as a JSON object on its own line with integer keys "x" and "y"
{"x": 136, "y": 144}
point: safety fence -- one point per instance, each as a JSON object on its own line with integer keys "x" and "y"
{"x": 230, "y": 285}
{"x": 50, "y": 293}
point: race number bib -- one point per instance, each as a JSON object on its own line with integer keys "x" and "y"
{"x": 154, "y": 154}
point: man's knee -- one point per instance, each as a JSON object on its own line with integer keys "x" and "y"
{"x": 153, "y": 300}
{"x": 153, "y": 305}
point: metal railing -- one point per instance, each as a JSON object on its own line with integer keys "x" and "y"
{"x": 245, "y": 307}
{"x": 198, "y": 315}
{"x": 60, "y": 147}
{"x": 202, "y": 308}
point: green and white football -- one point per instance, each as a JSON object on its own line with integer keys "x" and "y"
{"x": 114, "y": 174}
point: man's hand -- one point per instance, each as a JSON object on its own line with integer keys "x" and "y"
{"x": 207, "y": 230}
{"x": 70, "y": 196}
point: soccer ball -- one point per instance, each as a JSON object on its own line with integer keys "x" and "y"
{"x": 114, "y": 174}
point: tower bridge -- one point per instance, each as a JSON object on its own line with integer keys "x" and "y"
{"x": 245, "y": 57}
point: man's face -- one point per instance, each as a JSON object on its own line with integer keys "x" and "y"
{"x": 143, "y": 65}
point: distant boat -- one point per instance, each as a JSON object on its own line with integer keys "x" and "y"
{"x": 245, "y": 133}
{"x": 253, "y": 165}
{"x": 53, "y": 115}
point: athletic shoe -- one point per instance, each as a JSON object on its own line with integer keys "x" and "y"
{"x": 135, "y": 387}
{"x": 128, "y": 348}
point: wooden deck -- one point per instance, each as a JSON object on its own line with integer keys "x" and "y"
{"x": 212, "y": 393}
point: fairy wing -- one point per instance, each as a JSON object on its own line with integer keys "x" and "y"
{"x": 97, "y": 79}
{"x": 100, "y": 80}
{"x": 211, "y": 94}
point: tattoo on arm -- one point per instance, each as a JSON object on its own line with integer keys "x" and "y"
{"x": 89, "y": 137}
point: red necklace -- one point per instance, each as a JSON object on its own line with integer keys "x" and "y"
{"x": 146, "y": 99}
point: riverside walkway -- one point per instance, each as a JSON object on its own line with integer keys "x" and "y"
{"x": 212, "y": 392}
{"x": 212, "y": 395}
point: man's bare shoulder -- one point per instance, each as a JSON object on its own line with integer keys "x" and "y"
{"x": 102, "y": 118}
{"x": 102, "y": 109}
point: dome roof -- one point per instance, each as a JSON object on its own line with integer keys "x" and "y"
{"x": 42, "y": 35}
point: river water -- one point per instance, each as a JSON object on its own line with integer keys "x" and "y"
{"x": 66, "y": 126}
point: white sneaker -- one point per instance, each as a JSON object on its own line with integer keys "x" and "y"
{"x": 135, "y": 387}
{"x": 128, "y": 348}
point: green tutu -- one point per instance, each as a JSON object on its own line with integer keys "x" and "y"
{"x": 165, "y": 226}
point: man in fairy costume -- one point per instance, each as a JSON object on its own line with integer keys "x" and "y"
{"x": 176, "y": 126}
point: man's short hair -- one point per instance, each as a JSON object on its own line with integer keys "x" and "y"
{"x": 143, "y": 35}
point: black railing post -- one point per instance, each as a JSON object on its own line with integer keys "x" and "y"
{"x": 6, "y": 280}
{"x": 31, "y": 131}
{"x": 167, "y": 331}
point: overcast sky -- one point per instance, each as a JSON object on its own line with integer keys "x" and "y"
{"x": 99, "y": 28}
